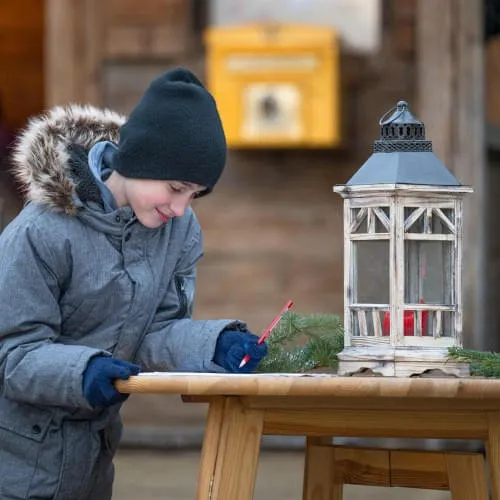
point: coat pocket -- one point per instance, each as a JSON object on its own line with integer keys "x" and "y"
{"x": 23, "y": 446}
{"x": 111, "y": 436}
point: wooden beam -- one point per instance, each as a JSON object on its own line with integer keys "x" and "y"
{"x": 63, "y": 23}
{"x": 462, "y": 473}
{"x": 450, "y": 64}
{"x": 73, "y": 35}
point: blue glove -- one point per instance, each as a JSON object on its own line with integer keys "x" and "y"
{"x": 99, "y": 376}
{"x": 231, "y": 348}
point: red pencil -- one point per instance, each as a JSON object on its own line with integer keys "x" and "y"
{"x": 268, "y": 330}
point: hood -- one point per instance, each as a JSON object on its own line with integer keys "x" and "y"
{"x": 42, "y": 154}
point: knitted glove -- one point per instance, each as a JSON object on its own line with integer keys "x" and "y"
{"x": 99, "y": 376}
{"x": 231, "y": 348}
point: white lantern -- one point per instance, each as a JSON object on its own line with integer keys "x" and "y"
{"x": 402, "y": 257}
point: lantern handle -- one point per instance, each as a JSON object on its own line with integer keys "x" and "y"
{"x": 401, "y": 106}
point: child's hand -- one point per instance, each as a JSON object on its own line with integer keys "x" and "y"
{"x": 232, "y": 346}
{"x": 98, "y": 378}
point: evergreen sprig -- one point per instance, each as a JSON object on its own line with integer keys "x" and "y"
{"x": 482, "y": 363}
{"x": 303, "y": 342}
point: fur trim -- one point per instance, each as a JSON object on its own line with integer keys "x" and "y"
{"x": 41, "y": 158}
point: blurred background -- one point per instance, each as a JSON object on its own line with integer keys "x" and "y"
{"x": 301, "y": 85}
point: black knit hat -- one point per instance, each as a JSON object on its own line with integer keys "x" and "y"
{"x": 174, "y": 133}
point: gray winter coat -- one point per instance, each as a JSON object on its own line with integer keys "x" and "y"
{"x": 76, "y": 282}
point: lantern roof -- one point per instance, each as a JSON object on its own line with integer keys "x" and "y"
{"x": 403, "y": 155}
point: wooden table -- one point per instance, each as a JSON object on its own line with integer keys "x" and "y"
{"x": 244, "y": 407}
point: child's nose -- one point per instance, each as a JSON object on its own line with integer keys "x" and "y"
{"x": 179, "y": 207}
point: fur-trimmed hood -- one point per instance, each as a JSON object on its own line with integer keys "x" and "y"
{"x": 42, "y": 161}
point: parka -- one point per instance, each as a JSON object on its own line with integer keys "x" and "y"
{"x": 76, "y": 282}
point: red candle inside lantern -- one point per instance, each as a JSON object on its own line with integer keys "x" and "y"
{"x": 408, "y": 323}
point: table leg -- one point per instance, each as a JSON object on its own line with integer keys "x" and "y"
{"x": 493, "y": 453}
{"x": 238, "y": 452}
{"x": 466, "y": 476}
{"x": 210, "y": 448}
{"x": 319, "y": 471}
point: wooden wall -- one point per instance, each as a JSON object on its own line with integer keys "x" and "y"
{"x": 21, "y": 59}
{"x": 21, "y": 83}
{"x": 492, "y": 63}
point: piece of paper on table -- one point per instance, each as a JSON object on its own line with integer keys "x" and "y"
{"x": 190, "y": 374}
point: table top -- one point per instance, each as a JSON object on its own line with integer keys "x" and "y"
{"x": 211, "y": 384}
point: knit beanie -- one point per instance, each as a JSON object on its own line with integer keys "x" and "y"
{"x": 174, "y": 133}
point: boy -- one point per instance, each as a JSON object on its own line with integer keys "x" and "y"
{"x": 97, "y": 278}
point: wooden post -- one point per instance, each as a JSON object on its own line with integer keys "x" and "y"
{"x": 72, "y": 52}
{"x": 451, "y": 104}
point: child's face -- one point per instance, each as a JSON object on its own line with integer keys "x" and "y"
{"x": 156, "y": 202}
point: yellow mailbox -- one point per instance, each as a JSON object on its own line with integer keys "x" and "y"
{"x": 276, "y": 85}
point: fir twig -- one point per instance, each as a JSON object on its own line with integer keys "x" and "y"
{"x": 304, "y": 342}
{"x": 482, "y": 363}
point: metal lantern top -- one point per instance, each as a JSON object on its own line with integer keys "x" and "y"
{"x": 401, "y": 132}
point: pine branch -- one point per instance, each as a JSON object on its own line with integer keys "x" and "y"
{"x": 304, "y": 342}
{"x": 485, "y": 364}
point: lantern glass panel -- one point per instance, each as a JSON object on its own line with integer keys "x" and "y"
{"x": 371, "y": 272}
{"x": 428, "y": 272}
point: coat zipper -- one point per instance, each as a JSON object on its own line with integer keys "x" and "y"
{"x": 181, "y": 291}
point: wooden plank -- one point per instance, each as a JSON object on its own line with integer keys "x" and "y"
{"x": 65, "y": 23}
{"x": 382, "y": 217}
{"x": 220, "y": 384}
{"x": 151, "y": 12}
{"x": 210, "y": 447}
{"x": 368, "y": 307}
{"x": 132, "y": 42}
{"x": 357, "y": 404}
{"x": 321, "y": 475}
{"x": 493, "y": 453}
{"x": 92, "y": 60}
{"x": 493, "y": 81}
{"x": 419, "y": 469}
{"x": 430, "y": 237}
{"x": 160, "y": 28}
{"x": 349, "y": 275}
{"x": 363, "y": 329}
{"x": 438, "y": 324}
{"x": 397, "y": 275}
{"x": 370, "y": 221}
{"x": 467, "y": 476}
{"x": 377, "y": 324}
{"x": 362, "y": 466}
{"x": 413, "y": 217}
{"x": 238, "y": 455}
{"x": 369, "y": 237}
{"x": 435, "y": 73}
{"x": 447, "y": 222}
{"x": 371, "y": 423}
{"x": 428, "y": 221}
{"x": 458, "y": 251}
{"x": 358, "y": 220}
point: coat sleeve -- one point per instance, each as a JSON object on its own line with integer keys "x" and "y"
{"x": 34, "y": 367}
{"x": 175, "y": 341}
